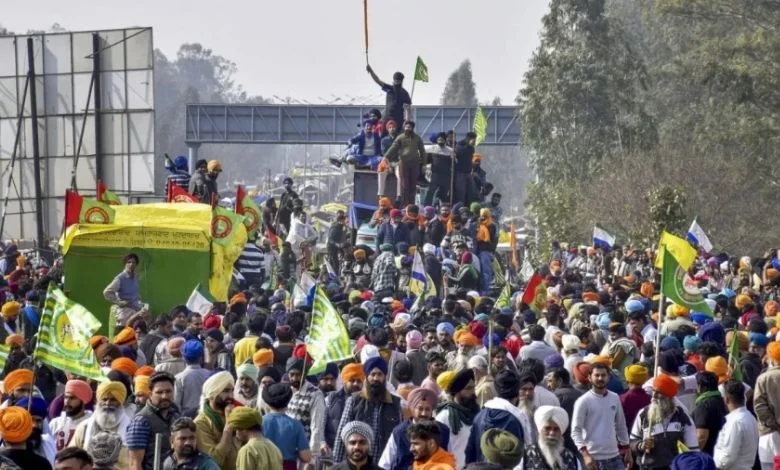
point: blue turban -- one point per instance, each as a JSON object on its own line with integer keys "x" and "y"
{"x": 670, "y": 342}
{"x": 691, "y": 343}
{"x": 375, "y": 362}
{"x": 330, "y": 369}
{"x": 407, "y": 303}
{"x": 127, "y": 351}
{"x": 713, "y": 332}
{"x": 553, "y": 361}
{"x": 496, "y": 340}
{"x": 482, "y": 317}
{"x": 433, "y": 137}
{"x": 376, "y": 321}
{"x": 693, "y": 461}
{"x": 758, "y": 339}
{"x": 634, "y": 306}
{"x": 728, "y": 293}
{"x": 602, "y": 320}
{"x": 445, "y": 327}
{"x": 700, "y": 318}
{"x": 192, "y": 350}
{"x": 181, "y": 162}
{"x": 506, "y": 311}
{"x": 39, "y": 406}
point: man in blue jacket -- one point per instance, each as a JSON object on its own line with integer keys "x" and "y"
{"x": 394, "y": 231}
{"x": 365, "y": 148}
{"x": 499, "y": 413}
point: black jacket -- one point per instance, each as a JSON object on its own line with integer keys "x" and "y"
{"x": 433, "y": 268}
{"x": 464, "y": 153}
{"x": 436, "y": 232}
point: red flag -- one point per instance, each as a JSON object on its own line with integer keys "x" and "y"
{"x": 274, "y": 239}
{"x": 79, "y": 210}
{"x": 176, "y": 194}
{"x": 72, "y": 207}
{"x": 535, "y": 294}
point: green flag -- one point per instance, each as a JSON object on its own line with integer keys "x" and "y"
{"x": 505, "y": 298}
{"x": 245, "y": 205}
{"x": 223, "y": 225}
{"x": 736, "y": 372}
{"x": 4, "y": 352}
{"x": 95, "y": 212}
{"x": 680, "y": 288}
{"x": 421, "y": 71}
{"x": 63, "y": 337}
{"x": 328, "y": 340}
{"x": 480, "y": 126}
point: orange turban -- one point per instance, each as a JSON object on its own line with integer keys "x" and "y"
{"x": 468, "y": 340}
{"x": 351, "y": 372}
{"x": 581, "y": 372}
{"x": 647, "y": 289}
{"x": 385, "y": 203}
{"x": 630, "y": 279}
{"x": 124, "y": 365}
{"x": 360, "y": 254}
{"x": 239, "y": 298}
{"x": 718, "y": 366}
{"x": 665, "y": 385}
{"x": 16, "y": 379}
{"x": 590, "y": 297}
{"x": 771, "y": 274}
{"x": 606, "y": 360}
{"x": 773, "y": 351}
{"x": 16, "y": 424}
{"x": 15, "y": 340}
{"x": 770, "y": 308}
{"x": 742, "y": 301}
{"x": 145, "y": 371}
{"x": 126, "y": 337}
{"x": 477, "y": 158}
{"x": 96, "y": 341}
{"x": 263, "y": 357}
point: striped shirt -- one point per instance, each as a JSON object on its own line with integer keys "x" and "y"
{"x": 180, "y": 178}
{"x": 251, "y": 264}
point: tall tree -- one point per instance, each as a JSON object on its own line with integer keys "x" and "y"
{"x": 460, "y": 89}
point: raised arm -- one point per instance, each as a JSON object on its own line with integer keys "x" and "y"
{"x": 375, "y": 77}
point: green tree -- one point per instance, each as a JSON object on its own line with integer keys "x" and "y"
{"x": 460, "y": 89}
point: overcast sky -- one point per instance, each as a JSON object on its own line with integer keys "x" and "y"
{"x": 314, "y": 49}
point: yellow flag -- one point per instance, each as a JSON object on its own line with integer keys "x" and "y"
{"x": 682, "y": 251}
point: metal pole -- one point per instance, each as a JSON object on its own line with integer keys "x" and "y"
{"x": 157, "y": 449}
{"x": 97, "y": 90}
{"x": 11, "y": 165}
{"x": 36, "y": 148}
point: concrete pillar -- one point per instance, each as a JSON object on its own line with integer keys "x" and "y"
{"x": 192, "y": 155}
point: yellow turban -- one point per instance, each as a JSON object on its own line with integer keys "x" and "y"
{"x": 445, "y": 379}
{"x": 636, "y": 374}
{"x": 15, "y": 424}
{"x": 10, "y": 309}
{"x": 16, "y": 379}
{"x": 112, "y": 389}
{"x": 263, "y": 357}
{"x": 141, "y": 385}
{"x": 677, "y": 311}
{"x": 126, "y": 337}
{"x": 743, "y": 342}
{"x": 743, "y": 300}
{"x": 217, "y": 383}
{"x": 244, "y": 417}
{"x": 606, "y": 360}
{"x": 773, "y": 351}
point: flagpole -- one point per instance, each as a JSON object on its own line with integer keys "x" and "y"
{"x": 661, "y": 310}
{"x": 490, "y": 354}
{"x": 452, "y": 168}
{"x": 365, "y": 27}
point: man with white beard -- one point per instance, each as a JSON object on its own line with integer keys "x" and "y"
{"x": 549, "y": 452}
{"x": 659, "y": 426}
{"x": 467, "y": 344}
{"x": 109, "y": 416}
{"x": 526, "y": 405}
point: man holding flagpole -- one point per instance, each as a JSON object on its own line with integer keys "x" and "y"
{"x": 397, "y": 96}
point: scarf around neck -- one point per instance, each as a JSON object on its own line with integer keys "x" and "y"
{"x": 216, "y": 419}
{"x": 459, "y": 415}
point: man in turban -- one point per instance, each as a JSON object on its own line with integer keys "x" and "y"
{"x": 422, "y": 403}
{"x": 154, "y": 418}
{"x": 256, "y": 451}
{"x": 467, "y": 343}
{"x": 40, "y": 440}
{"x": 141, "y": 390}
{"x": 174, "y": 362}
{"x": 190, "y": 381}
{"x": 109, "y": 416}
{"x": 16, "y": 426}
{"x": 326, "y": 380}
{"x": 636, "y": 397}
{"x": 77, "y": 394}
{"x": 373, "y": 405}
{"x": 307, "y": 404}
{"x": 17, "y": 385}
{"x": 766, "y": 403}
{"x": 215, "y": 438}
{"x": 127, "y": 337}
{"x": 501, "y": 412}
{"x": 501, "y": 450}
{"x": 218, "y": 358}
{"x": 352, "y": 378}
{"x": 246, "y": 392}
{"x": 549, "y": 449}
{"x": 358, "y": 439}
{"x": 659, "y": 426}
{"x": 458, "y": 413}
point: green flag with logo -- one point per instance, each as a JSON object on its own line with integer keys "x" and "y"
{"x": 95, "y": 212}
{"x": 328, "y": 340}
{"x": 63, "y": 336}
{"x": 223, "y": 225}
{"x": 680, "y": 288}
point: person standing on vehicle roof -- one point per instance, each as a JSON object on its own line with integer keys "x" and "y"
{"x": 397, "y": 96}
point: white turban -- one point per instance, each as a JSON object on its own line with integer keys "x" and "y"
{"x": 546, "y": 413}
{"x": 217, "y": 383}
{"x": 429, "y": 249}
{"x": 570, "y": 343}
{"x": 368, "y": 351}
{"x": 478, "y": 362}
